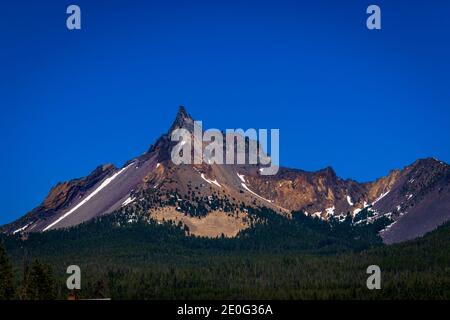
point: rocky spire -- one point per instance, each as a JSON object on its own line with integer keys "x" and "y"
{"x": 182, "y": 120}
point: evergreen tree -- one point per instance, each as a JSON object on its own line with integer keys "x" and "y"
{"x": 39, "y": 283}
{"x": 6, "y": 277}
{"x": 25, "y": 279}
{"x": 99, "y": 289}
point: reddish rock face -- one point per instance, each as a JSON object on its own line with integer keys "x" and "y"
{"x": 63, "y": 193}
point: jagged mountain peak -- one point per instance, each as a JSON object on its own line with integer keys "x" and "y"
{"x": 328, "y": 171}
{"x": 428, "y": 162}
{"x": 108, "y": 166}
{"x": 182, "y": 120}
{"x": 163, "y": 144}
{"x": 182, "y": 111}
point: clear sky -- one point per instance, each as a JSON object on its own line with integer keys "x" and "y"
{"x": 361, "y": 101}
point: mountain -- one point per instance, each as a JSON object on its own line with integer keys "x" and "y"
{"x": 211, "y": 199}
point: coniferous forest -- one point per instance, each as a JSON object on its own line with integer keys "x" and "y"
{"x": 283, "y": 258}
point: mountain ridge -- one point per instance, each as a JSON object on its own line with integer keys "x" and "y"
{"x": 404, "y": 195}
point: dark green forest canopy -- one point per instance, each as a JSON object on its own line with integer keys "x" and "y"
{"x": 277, "y": 258}
{"x": 271, "y": 233}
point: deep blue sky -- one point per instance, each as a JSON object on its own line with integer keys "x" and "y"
{"x": 361, "y": 101}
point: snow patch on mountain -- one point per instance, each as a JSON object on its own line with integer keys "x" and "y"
{"x": 241, "y": 176}
{"x": 349, "y": 200}
{"x": 106, "y": 182}
{"x": 22, "y": 229}
{"x": 330, "y": 211}
{"x": 254, "y": 193}
{"x": 128, "y": 201}
{"x": 388, "y": 227}
{"x": 210, "y": 181}
{"x": 317, "y": 214}
{"x": 384, "y": 194}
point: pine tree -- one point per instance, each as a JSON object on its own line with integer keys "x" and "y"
{"x": 99, "y": 289}
{"x": 6, "y": 277}
{"x": 25, "y": 279}
{"x": 39, "y": 283}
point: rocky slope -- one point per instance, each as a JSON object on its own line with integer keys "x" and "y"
{"x": 210, "y": 198}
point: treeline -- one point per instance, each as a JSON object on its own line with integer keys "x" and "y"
{"x": 278, "y": 258}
